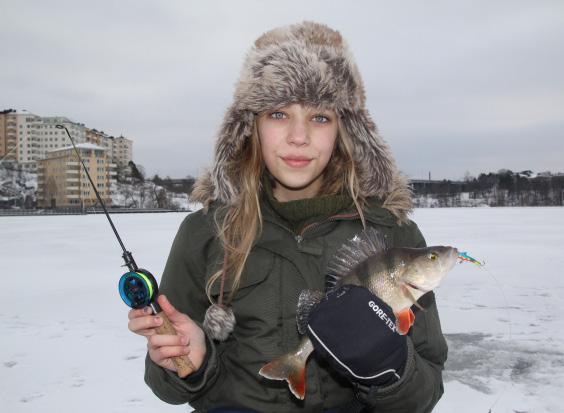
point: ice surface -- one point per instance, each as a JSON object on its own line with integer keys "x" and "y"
{"x": 65, "y": 346}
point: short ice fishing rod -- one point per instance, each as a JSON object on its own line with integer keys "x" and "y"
{"x": 137, "y": 287}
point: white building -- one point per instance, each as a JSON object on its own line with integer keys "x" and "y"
{"x": 27, "y": 138}
{"x": 122, "y": 151}
{"x": 36, "y": 135}
{"x": 53, "y": 138}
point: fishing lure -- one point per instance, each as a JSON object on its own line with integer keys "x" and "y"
{"x": 137, "y": 287}
{"x": 463, "y": 256}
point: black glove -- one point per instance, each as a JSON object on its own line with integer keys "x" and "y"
{"x": 357, "y": 339}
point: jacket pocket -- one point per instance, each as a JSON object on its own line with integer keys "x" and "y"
{"x": 258, "y": 266}
{"x": 256, "y": 305}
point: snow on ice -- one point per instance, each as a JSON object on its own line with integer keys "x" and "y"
{"x": 65, "y": 345}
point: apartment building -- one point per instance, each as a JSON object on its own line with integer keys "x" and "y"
{"x": 62, "y": 183}
{"x": 8, "y": 136}
{"x": 120, "y": 149}
{"x": 25, "y": 137}
{"x": 53, "y": 138}
{"x": 37, "y": 145}
{"x": 15, "y": 145}
{"x": 99, "y": 138}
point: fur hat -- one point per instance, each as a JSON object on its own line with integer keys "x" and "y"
{"x": 306, "y": 63}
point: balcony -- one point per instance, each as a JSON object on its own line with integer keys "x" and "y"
{"x": 70, "y": 163}
{"x": 72, "y": 180}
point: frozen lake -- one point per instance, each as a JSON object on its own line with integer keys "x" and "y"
{"x": 66, "y": 347}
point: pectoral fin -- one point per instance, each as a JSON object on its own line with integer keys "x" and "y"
{"x": 404, "y": 320}
{"x": 307, "y": 300}
{"x": 411, "y": 298}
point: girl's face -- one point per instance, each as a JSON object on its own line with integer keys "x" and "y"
{"x": 296, "y": 144}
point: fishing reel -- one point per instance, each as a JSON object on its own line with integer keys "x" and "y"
{"x": 138, "y": 288}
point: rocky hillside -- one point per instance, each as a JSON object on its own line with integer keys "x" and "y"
{"x": 18, "y": 190}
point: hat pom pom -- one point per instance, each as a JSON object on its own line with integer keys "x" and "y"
{"x": 219, "y": 322}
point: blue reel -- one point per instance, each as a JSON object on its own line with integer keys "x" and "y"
{"x": 138, "y": 288}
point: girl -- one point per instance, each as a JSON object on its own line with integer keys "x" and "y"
{"x": 299, "y": 169}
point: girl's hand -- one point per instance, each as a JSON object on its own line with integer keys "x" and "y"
{"x": 189, "y": 339}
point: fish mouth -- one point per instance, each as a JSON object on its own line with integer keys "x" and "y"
{"x": 416, "y": 287}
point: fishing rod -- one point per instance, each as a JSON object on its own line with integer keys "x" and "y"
{"x": 137, "y": 288}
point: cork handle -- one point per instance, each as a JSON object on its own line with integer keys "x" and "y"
{"x": 183, "y": 364}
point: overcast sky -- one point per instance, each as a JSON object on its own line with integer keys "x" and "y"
{"x": 454, "y": 86}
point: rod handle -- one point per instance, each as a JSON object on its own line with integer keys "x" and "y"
{"x": 184, "y": 365}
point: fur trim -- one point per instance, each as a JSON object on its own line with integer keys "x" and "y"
{"x": 399, "y": 201}
{"x": 311, "y": 64}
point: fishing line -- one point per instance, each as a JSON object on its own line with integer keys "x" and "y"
{"x": 464, "y": 257}
{"x": 138, "y": 288}
{"x": 508, "y": 314}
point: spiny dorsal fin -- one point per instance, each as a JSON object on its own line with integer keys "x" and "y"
{"x": 369, "y": 242}
{"x": 306, "y": 301}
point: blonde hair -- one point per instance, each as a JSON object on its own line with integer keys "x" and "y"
{"x": 241, "y": 221}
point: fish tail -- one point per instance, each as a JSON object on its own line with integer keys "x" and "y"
{"x": 289, "y": 368}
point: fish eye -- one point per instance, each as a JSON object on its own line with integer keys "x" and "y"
{"x": 433, "y": 256}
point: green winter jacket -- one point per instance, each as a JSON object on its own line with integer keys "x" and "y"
{"x": 280, "y": 266}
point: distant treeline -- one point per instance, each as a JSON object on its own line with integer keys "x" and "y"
{"x": 135, "y": 174}
{"x": 182, "y": 185}
{"x": 503, "y": 188}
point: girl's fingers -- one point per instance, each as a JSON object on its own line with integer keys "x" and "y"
{"x": 144, "y": 323}
{"x": 146, "y": 333}
{"x": 160, "y": 354}
{"x": 135, "y": 313}
{"x": 161, "y": 340}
